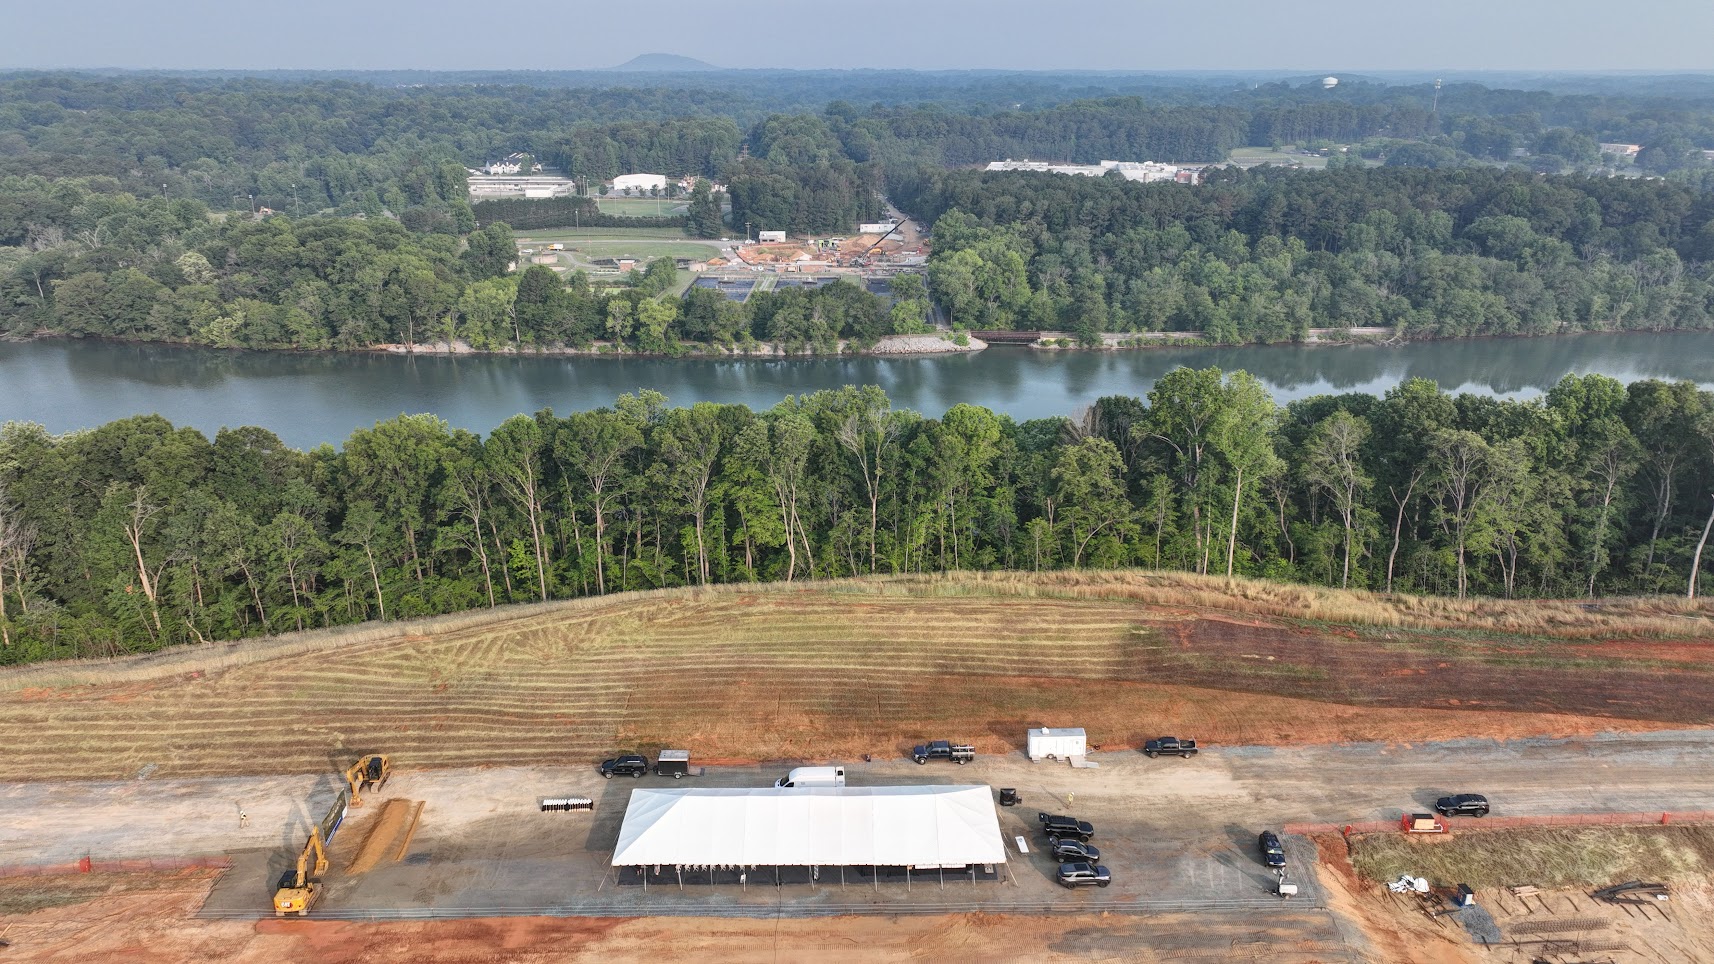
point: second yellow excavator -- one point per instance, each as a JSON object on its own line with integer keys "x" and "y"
{"x": 368, "y": 773}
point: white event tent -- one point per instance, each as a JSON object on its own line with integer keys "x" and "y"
{"x": 923, "y": 827}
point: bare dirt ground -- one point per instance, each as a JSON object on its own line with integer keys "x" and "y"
{"x": 839, "y": 669}
{"x": 484, "y": 714}
{"x": 1555, "y": 925}
{"x": 150, "y": 919}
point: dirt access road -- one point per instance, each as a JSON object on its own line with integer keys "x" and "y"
{"x": 52, "y": 822}
{"x": 1178, "y": 834}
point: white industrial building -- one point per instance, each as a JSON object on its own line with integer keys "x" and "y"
{"x": 1144, "y": 171}
{"x": 727, "y": 834}
{"x": 639, "y": 182}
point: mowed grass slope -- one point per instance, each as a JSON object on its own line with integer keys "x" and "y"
{"x": 835, "y": 670}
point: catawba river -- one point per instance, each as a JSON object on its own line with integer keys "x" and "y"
{"x": 308, "y": 399}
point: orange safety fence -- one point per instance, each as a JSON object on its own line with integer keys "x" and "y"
{"x": 1512, "y": 823}
{"x": 90, "y": 866}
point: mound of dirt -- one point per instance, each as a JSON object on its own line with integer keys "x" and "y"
{"x": 384, "y": 835}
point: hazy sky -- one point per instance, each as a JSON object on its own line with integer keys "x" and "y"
{"x": 1108, "y": 34}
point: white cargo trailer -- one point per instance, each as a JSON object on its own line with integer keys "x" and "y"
{"x": 1057, "y": 743}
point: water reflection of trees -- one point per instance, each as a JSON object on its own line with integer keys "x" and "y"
{"x": 323, "y": 396}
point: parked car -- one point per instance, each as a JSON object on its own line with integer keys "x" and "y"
{"x": 1462, "y": 805}
{"x": 1083, "y": 874}
{"x": 1068, "y": 851}
{"x": 1062, "y": 827}
{"x": 1169, "y": 746}
{"x": 625, "y": 765}
{"x": 1273, "y": 854}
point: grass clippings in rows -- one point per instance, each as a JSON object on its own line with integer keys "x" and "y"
{"x": 1544, "y": 857}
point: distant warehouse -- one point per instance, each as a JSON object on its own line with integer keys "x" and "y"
{"x": 639, "y": 182}
{"x": 849, "y": 834}
{"x": 1147, "y": 172}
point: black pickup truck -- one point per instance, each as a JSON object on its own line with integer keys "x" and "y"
{"x": 959, "y": 753}
{"x": 1169, "y": 746}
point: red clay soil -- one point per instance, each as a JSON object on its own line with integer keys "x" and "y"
{"x": 149, "y": 927}
{"x": 1638, "y": 680}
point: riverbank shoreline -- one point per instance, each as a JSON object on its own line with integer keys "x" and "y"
{"x": 312, "y": 398}
{"x": 938, "y": 343}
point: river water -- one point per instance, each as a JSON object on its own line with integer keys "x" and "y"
{"x": 308, "y": 399}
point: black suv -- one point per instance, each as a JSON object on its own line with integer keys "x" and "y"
{"x": 1272, "y": 853}
{"x": 1084, "y": 874}
{"x": 1062, "y": 828}
{"x": 1073, "y": 851}
{"x": 629, "y": 765}
{"x": 1462, "y": 805}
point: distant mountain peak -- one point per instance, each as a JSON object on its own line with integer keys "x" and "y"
{"x": 665, "y": 62}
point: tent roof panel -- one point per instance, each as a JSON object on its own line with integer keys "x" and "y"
{"x": 802, "y": 826}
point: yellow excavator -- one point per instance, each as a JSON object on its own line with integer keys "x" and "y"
{"x": 368, "y": 773}
{"x": 300, "y": 887}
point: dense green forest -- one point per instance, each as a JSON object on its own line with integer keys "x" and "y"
{"x": 1266, "y": 254}
{"x": 137, "y": 535}
{"x": 1248, "y": 256}
{"x": 307, "y": 143}
{"x": 130, "y": 206}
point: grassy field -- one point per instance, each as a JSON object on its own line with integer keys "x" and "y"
{"x": 1548, "y": 858}
{"x": 1252, "y": 156}
{"x": 641, "y": 207}
{"x": 569, "y": 233}
{"x": 641, "y": 249}
{"x": 836, "y": 669}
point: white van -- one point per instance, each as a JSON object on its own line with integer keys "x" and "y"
{"x": 813, "y": 777}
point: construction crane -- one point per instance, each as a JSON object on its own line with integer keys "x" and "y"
{"x": 368, "y": 773}
{"x": 300, "y": 887}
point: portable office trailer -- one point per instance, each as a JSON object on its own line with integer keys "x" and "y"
{"x": 1057, "y": 743}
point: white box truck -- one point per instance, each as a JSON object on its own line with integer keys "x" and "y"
{"x": 1057, "y": 743}
{"x": 813, "y": 777}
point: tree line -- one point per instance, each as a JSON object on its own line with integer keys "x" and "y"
{"x": 138, "y": 535}
{"x": 1266, "y": 254}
